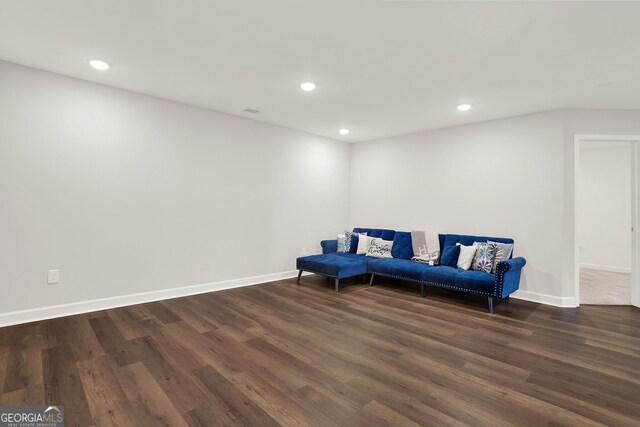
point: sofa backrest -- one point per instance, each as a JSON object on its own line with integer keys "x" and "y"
{"x": 402, "y": 247}
{"x": 452, "y": 239}
{"x": 376, "y": 232}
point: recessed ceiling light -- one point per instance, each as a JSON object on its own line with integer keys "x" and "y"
{"x": 99, "y": 64}
{"x": 464, "y": 107}
{"x": 344, "y": 131}
{"x": 307, "y": 86}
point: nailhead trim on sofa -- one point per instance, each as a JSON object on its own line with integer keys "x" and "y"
{"x": 500, "y": 280}
{"x": 440, "y": 285}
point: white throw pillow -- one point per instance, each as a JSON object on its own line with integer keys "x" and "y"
{"x": 379, "y": 248}
{"x": 466, "y": 256}
{"x": 363, "y": 244}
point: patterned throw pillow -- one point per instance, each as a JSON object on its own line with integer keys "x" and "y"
{"x": 379, "y": 248}
{"x": 348, "y": 234}
{"x": 503, "y": 253}
{"x": 342, "y": 243}
{"x": 351, "y": 242}
{"x": 484, "y": 257}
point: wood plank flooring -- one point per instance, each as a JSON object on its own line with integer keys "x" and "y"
{"x": 287, "y": 354}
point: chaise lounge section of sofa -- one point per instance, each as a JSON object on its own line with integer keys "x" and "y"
{"x": 500, "y": 285}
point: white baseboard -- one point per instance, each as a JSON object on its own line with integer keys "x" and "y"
{"x": 544, "y": 298}
{"x": 606, "y": 268}
{"x": 51, "y": 312}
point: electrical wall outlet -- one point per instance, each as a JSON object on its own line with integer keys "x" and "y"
{"x": 303, "y": 251}
{"x": 53, "y": 276}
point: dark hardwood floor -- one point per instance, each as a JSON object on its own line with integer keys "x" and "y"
{"x": 287, "y": 354}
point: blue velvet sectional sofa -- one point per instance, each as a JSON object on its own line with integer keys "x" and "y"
{"x": 500, "y": 285}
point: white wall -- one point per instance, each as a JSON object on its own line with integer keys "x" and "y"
{"x": 126, "y": 193}
{"x": 499, "y": 178}
{"x": 604, "y": 205}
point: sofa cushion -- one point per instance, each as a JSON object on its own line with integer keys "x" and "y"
{"x": 376, "y": 232}
{"x": 355, "y": 256}
{"x": 450, "y": 256}
{"x": 440, "y": 275}
{"x": 402, "y": 247}
{"x": 338, "y": 265}
{"x": 476, "y": 281}
{"x": 399, "y": 268}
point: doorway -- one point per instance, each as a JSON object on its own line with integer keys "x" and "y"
{"x": 605, "y": 220}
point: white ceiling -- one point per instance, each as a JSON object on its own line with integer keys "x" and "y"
{"x": 382, "y": 67}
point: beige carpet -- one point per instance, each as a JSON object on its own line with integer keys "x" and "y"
{"x": 604, "y": 287}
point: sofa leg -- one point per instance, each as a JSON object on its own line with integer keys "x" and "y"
{"x": 507, "y": 297}
{"x": 299, "y": 275}
{"x": 421, "y": 289}
{"x": 490, "y": 300}
{"x": 337, "y": 285}
{"x": 371, "y": 280}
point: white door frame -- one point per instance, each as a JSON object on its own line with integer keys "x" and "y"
{"x": 635, "y": 239}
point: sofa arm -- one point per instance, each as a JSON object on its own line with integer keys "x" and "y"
{"x": 508, "y": 276}
{"x": 329, "y": 246}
